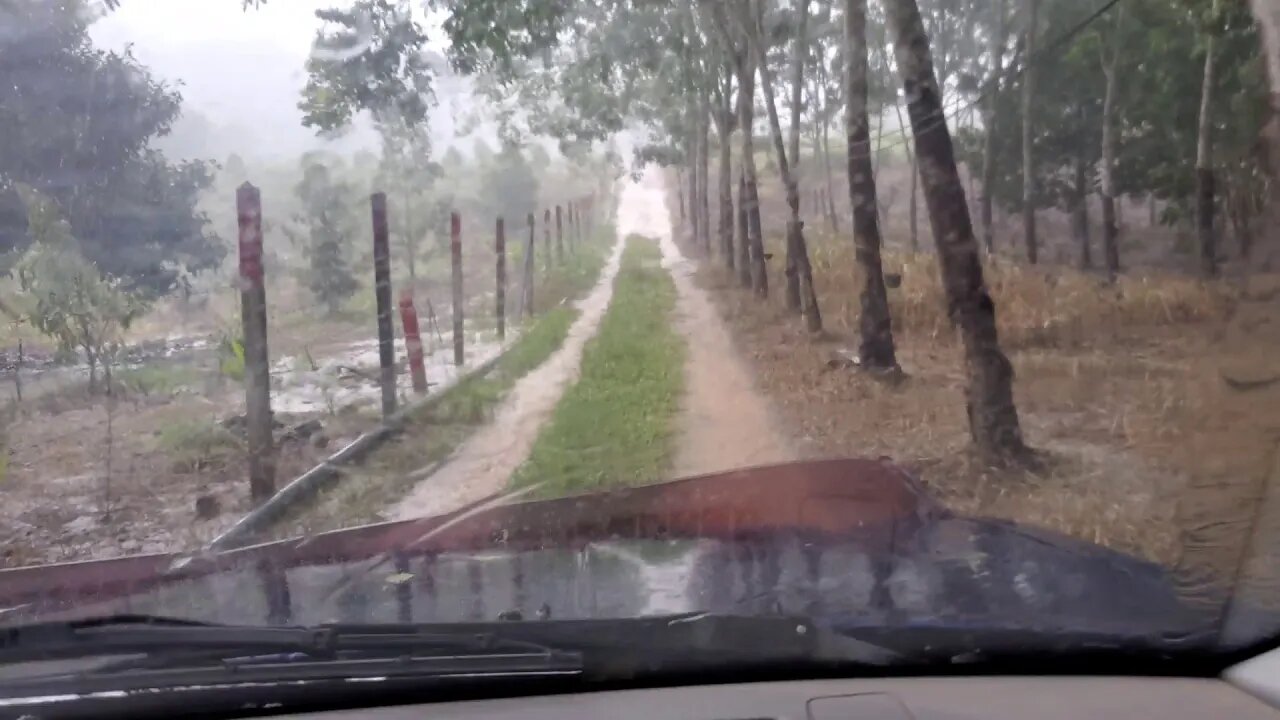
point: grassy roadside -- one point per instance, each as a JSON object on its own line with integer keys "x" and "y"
{"x": 365, "y": 490}
{"x": 613, "y": 427}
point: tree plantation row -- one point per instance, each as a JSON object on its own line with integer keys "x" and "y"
{"x": 1047, "y": 102}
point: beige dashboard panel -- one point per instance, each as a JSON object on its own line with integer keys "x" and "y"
{"x": 978, "y": 698}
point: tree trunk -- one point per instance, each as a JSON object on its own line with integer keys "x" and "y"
{"x": 832, "y": 217}
{"x": 993, "y": 418}
{"x": 1110, "y": 231}
{"x": 680, "y": 194}
{"x": 989, "y": 139}
{"x": 874, "y": 324}
{"x": 704, "y": 172}
{"x": 694, "y": 182}
{"x": 751, "y": 203}
{"x": 1204, "y": 170}
{"x": 1266, "y": 13}
{"x": 797, "y": 76}
{"x": 798, "y": 48}
{"x": 913, "y": 226}
{"x": 1028, "y": 139}
{"x": 724, "y": 127}
{"x": 744, "y": 243}
{"x": 913, "y": 217}
{"x": 1080, "y": 212}
{"x": 801, "y": 274}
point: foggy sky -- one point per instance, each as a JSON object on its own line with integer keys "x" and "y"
{"x": 241, "y": 73}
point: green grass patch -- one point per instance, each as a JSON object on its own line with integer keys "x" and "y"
{"x": 155, "y": 379}
{"x": 614, "y": 426}
{"x": 572, "y": 277}
{"x": 195, "y": 445}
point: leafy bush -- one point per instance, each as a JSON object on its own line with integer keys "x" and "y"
{"x": 195, "y": 445}
{"x": 153, "y": 380}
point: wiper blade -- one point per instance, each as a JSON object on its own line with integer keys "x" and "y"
{"x": 144, "y": 652}
{"x": 144, "y": 634}
{"x": 164, "y": 653}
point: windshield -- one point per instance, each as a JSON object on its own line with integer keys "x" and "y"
{"x": 904, "y": 314}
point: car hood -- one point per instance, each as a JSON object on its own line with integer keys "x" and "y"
{"x": 850, "y": 540}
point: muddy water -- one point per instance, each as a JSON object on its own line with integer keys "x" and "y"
{"x": 724, "y": 423}
{"x": 348, "y": 376}
{"x": 484, "y": 463}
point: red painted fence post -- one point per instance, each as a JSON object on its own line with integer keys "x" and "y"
{"x": 257, "y": 369}
{"x": 413, "y": 341}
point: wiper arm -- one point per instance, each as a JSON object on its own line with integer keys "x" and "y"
{"x": 123, "y": 634}
{"x": 162, "y": 652}
{"x": 170, "y": 653}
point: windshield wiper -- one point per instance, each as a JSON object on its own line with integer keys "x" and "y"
{"x": 153, "y": 652}
{"x": 147, "y": 652}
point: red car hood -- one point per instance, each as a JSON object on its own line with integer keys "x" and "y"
{"x": 847, "y": 538}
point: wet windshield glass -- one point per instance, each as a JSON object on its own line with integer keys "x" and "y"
{"x": 945, "y": 314}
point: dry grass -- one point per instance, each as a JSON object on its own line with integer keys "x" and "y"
{"x": 1148, "y": 451}
{"x": 1051, "y": 308}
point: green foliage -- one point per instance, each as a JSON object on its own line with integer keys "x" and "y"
{"x": 371, "y": 57}
{"x": 195, "y": 445}
{"x": 511, "y": 186}
{"x": 329, "y": 220}
{"x": 469, "y": 403}
{"x": 231, "y": 356}
{"x": 65, "y": 297}
{"x": 613, "y": 427}
{"x": 77, "y": 124}
{"x": 536, "y": 343}
{"x": 155, "y": 380}
{"x": 408, "y": 176}
{"x": 1160, "y": 73}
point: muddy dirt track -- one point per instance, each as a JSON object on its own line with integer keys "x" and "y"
{"x": 723, "y": 423}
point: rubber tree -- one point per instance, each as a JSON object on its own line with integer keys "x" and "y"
{"x": 876, "y": 348}
{"x": 796, "y": 247}
{"x": 692, "y": 122}
{"x": 1267, "y": 15}
{"x": 724, "y": 117}
{"x": 1029, "y": 238}
{"x": 1205, "y": 179}
{"x": 1000, "y": 11}
{"x": 751, "y": 261}
{"x": 993, "y": 418}
{"x": 1107, "y": 166}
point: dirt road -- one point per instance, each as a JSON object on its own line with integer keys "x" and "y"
{"x": 725, "y": 423}
{"x": 483, "y": 465}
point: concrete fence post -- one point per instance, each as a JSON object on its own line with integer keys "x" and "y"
{"x": 559, "y": 237}
{"x": 382, "y": 294}
{"x": 257, "y": 368}
{"x": 455, "y": 254}
{"x": 500, "y": 249}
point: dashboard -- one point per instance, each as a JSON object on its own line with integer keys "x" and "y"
{"x": 950, "y": 698}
